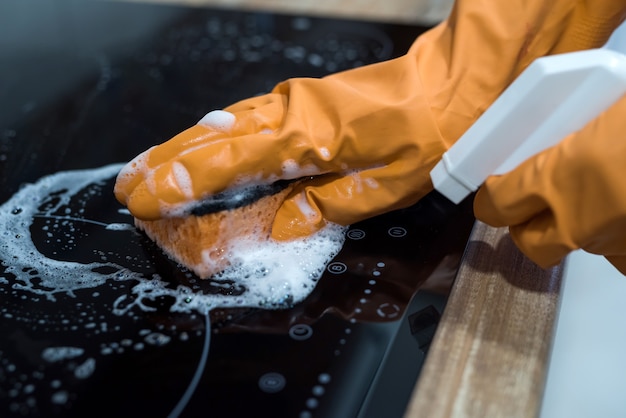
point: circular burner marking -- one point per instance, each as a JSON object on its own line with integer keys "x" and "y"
{"x": 272, "y": 382}
{"x": 397, "y": 232}
{"x": 337, "y": 267}
{"x": 356, "y": 234}
{"x": 388, "y": 310}
{"x": 300, "y": 332}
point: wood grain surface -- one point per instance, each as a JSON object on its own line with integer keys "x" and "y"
{"x": 490, "y": 353}
{"x": 401, "y": 11}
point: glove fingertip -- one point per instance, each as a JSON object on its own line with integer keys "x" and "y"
{"x": 486, "y": 209}
{"x": 542, "y": 248}
{"x": 296, "y": 218}
{"x": 143, "y": 205}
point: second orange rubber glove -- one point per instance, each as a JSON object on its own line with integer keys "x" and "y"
{"x": 364, "y": 140}
{"x": 568, "y": 197}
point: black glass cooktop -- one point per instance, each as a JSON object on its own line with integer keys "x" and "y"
{"x": 88, "y": 85}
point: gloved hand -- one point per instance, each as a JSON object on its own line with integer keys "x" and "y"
{"x": 568, "y": 197}
{"x": 367, "y": 137}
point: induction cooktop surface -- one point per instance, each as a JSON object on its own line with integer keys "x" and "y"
{"x": 97, "y": 321}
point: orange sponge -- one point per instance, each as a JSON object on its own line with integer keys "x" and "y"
{"x": 203, "y": 244}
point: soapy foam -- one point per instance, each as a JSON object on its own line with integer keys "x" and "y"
{"x": 305, "y": 207}
{"x": 272, "y": 275}
{"x": 325, "y": 153}
{"x": 18, "y": 251}
{"x": 292, "y": 170}
{"x": 371, "y": 183}
{"x": 267, "y": 276}
{"x": 357, "y": 182}
{"x": 183, "y": 179}
{"x": 219, "y": 120}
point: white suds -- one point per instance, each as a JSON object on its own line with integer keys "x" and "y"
{"x": 19, "y": 252}
{"x": 219, "y": 120}
{"x": 272, "y": 275}
{"x": 305, "y": 208}
{"x": 371, "y": 183}
{"x": 324, "y": 152}
{"x": 183, "y": 179}
{"x": 292, "y": 170}
{"x": 277, "y": 274}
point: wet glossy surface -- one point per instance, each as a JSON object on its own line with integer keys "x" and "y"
{"x": 87, "y": 84}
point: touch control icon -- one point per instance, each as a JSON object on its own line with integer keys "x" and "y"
{"x": 337, "y": 267}
{"x": 396, "y": 232}
{"x": 300, "y": 332}
{"x": 356, "y": 234}
{"x": 388, "y": 310}
{"x": 272, "y": 382}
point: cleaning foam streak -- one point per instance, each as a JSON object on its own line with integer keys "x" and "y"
{"x": 273, "y": 275}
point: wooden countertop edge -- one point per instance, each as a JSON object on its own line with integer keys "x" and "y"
{"x": 490, "y": 353}
{"x": 412, "y": 12}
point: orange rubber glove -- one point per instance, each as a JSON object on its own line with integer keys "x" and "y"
{"x": 568, "y": 197}
{"x": 367, "y": 137}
